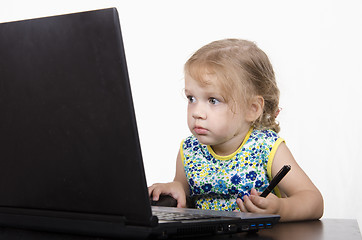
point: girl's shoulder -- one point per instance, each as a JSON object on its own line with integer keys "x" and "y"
{"x": 264, "y": 134}
{"x": 266, "y": 138}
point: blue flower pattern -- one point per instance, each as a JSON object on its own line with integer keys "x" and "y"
{"x": 214, "y": 183}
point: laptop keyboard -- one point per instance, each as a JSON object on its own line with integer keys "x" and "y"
{"x": 165, "y": 216}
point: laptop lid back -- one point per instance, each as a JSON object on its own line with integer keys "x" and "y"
{"x": 68, "y": 135}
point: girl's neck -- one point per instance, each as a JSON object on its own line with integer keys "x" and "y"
{"x": 230, "y": 146}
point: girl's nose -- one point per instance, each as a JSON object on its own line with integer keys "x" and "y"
{"x": 199, "y": 112}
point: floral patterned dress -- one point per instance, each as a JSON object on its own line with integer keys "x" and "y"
{"x": 216, "y": 181}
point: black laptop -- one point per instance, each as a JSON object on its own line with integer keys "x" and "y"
{"x": 70, "y": 157}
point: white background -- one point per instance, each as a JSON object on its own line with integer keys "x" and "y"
{"x": 314, "y": 46}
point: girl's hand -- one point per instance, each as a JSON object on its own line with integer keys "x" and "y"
{"x": 173, "y": 189}
{"x": 256, "y": 204}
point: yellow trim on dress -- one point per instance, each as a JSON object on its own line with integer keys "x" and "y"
{"x": 182, "y": 152}
{"x": 270, "y": 163}
{"x": 230, "y": 156}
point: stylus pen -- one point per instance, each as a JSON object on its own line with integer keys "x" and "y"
{"x": 274, "y": 182}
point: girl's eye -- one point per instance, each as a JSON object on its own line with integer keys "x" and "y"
{"x": 191, "y": 99}
{"x": 214, "y": 101}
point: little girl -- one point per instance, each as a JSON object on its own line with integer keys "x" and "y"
{"x": 234, "y": 150}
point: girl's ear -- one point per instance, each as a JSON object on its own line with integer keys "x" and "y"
{"x": 256, "y": 106}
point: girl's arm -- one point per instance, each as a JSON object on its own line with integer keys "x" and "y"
{"x": 180, "y": 175}
{"x": 178, "y": 189}
{"x": 301, "y": 200}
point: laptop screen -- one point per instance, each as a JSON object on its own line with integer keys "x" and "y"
{"x": 68, "y": 134}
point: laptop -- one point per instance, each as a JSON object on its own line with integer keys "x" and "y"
{"x": 70, "y": 157}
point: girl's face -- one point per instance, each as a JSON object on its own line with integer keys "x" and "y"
{"x": 210, "y": 118}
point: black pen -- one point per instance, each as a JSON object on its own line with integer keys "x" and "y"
{"x": 274, "y": 182}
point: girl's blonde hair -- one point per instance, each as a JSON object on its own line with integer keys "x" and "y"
{"x": 243, "y": 71}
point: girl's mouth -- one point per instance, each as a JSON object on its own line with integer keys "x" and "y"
{"x": 200, "y": 130}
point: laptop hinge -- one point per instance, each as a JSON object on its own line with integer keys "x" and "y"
{"x": 154, "y": 221}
